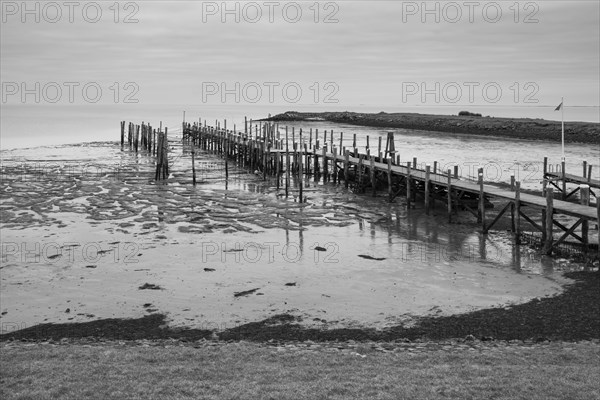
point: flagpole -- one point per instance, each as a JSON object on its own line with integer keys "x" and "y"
{"x": 562, "y": 109}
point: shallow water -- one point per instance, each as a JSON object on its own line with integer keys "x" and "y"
{"x": 84, "y": 226}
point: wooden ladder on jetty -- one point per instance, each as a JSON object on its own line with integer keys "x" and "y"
{"x": 265, "y": 151}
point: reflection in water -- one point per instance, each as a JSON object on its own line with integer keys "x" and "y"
{"x": 234, "y": 203}
{"x": 379, "y": 259}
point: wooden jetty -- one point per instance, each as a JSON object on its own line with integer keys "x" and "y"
{"x": 262, "y": 149}
{"x": 559, "y": 178}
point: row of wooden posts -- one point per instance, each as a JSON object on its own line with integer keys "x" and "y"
{"x": 144, "y": 138}
{"x": 262, "y": 149}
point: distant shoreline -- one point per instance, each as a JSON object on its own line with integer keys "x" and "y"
{"x": 520, "y": 128}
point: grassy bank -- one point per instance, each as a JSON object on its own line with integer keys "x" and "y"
{"x": 522, "y": 128}
{"x": 172, "y": 370}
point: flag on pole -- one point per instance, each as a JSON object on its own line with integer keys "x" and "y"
{"x": 559, "y": 106}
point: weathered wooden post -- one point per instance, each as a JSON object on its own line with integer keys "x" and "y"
{"x": 390, "y": 149}
{"x": 277, "y": 159}
{"x": 334, "y": 165}
{"x": 360, "y": 174}
{"x": 389, "y": 179}
{"x": 354, "y": 141}
{"x": 158, "y": 155}
{"x": 427, "y": 177}
{"x": 449, "y": 196}
{"x": 584, "y": 168}
{"x": 131, "y": 136}
{"x": 346, "y": 167}
{"x": 481, "y": 200}
{"x": 193, "y": 169}
{"x": 266, "y": 150}
{"x": 122, "y": 134}
{"x": 549, "y": 221}
{"x": 408, "y": 184}
{"x": 585, "y": 200}
{"x": 544, "y": 176}
{"x": 324, "y": 162}
{"x": 512, "y": 181}
{"x": 300, "y": 178}
{"x": 517, "y": 222}
{"x": 166, "y": 154}
{"x": 456, "y": 172}
{"x": 414, "y": 163}
{"x": 137, "y": 137}
{"x": 372, "y": 173}
{"x": 287, "y": 162}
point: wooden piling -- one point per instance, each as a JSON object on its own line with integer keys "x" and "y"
{"x": 481, "y": 200}
{"x": 408, "y": 184}
{"x": 517, "y": 213}
{"x": 346, "y": 167}
{"x": 122, "y": 134}
{"x": 324, "y": 162}
{"x": 193, "y": 169}
{"x": 549, "y": 221}
{"x": 300, "y": 179}
{"x": 389, "y": 179}
{"x": 137, "y": 137}
{"x": 584, "y": 191}
{"x": 307, "y": 160}
{"x": 287, "y": 163}
{"x": 360, "y": 173}
{"x": 334, "y": 165}
{"x": 427, "y": 177}
{"x": 449, "y": 196}
{"x": 544, "y": 178}
{"x": 372, "y": 174}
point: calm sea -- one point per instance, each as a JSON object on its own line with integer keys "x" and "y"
{"x": 36, "y": 125}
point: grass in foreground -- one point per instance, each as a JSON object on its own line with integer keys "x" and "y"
{"x": 253, "y": 371}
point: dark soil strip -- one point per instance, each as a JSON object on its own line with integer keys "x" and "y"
{"x": 523, "y": 128}
{"x": 571, "y": 316}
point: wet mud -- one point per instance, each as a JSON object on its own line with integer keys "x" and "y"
{"x": 85, "y": 228}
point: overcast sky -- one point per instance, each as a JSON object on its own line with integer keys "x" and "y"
{"x": 357, "y": 52}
